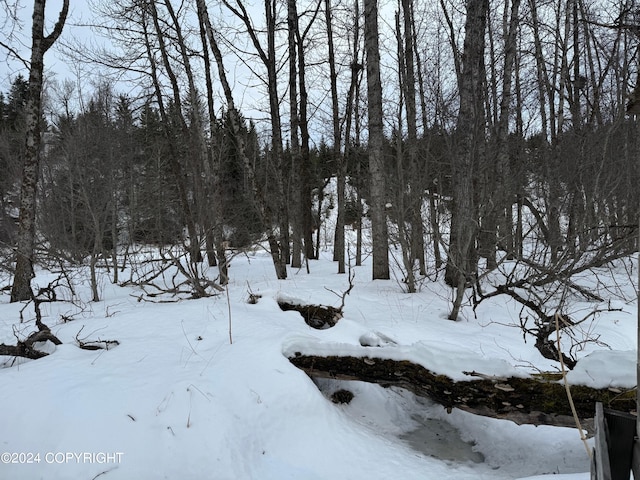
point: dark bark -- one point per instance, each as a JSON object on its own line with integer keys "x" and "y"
{"x": 469, "y": 137}
{"x": 295, "y": 194}
{"x": 319, "y": 317}
{"x": 402, "y": 198}
{"x": 26, "y": 349}
{"x": 416, "y": 171}
{"x": 174, "y": 156}
{"x": 21, "y": 350}
{"x": 280, "y": 238}
{"x": 208, "y": 39}
{"x": 504, "y": 193}
{"x": 275, "y": 217}
{"x": 351, "y": 110}
{"x": 198, "y": 152}
{"x": 377, "y": 203}
{"x": 305, "y": 156}
{"x": 339, "y": 242}
{"x": 545, "y": 326}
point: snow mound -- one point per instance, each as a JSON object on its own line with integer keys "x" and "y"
{"x": 605, "y": 369}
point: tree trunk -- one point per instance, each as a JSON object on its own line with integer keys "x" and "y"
{"x": 416, "y": 172}
{"x": 470, "y": 136}
{"x": 405, "y": 229}
{"x": 305, "y": 157}
{"x": 339, "y": 242}
{"x": 505, "y": 189}
{"x": 295, "y": 191}
{"x": 280, "y": 236}
{"x": 377, "y": 202}
{"x": 351, "y": 111}
{"x": 174, "y": 155}
{"x": 214, "y": 237}
{"x": 434, "y": 221}
{"x": 21, "y": 289}
{"x": 359, "y": 173}
{"x": 278, "y": 241}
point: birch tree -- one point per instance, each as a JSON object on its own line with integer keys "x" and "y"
{"x": 21, "y": 289}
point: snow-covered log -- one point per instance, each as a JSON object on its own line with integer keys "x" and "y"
{"x": 537, "y": 400}
{"x": 26, "y": 348}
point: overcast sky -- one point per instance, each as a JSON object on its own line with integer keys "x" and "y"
{"x": 243, "y": 74}
{"x": 18, "y": 36}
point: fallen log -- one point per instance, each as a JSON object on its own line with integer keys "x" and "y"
{"x": 21, "y": 350}
{"x": 26, "y": 348}
{"x": 319, "y": 317}
{"x": 537, "y": 400}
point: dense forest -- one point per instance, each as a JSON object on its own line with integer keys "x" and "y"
{"x": 449, "y": 136}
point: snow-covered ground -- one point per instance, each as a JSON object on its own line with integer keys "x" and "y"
{"x": 176, "y": 400}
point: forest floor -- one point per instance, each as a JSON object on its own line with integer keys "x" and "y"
{"x": 176, "y": 400}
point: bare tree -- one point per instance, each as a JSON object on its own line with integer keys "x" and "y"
{"x": 339, "y": 242}
{"x": 377, "y": 195}
{"x": 416, "y": 172}
{"x": 296, "y": 154}
{"x": 150, "y": 27}
{"x": 81, "y": 185}
{"x": 350, "y": 118}
{"x": 21, "y": 289}
{"x": 399, "y": 207}
{"x": 275, "y": 217}
{"x": 497, "y": 217}
{"x": 305, "y": 160}
{"x": 303, "y": 243}
{"x": 213, "y": 179}
{"x": 469, "y": 143}
{"x": 197, "y": 157}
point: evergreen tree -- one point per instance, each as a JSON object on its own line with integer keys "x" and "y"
{"x": 12, "y": 132}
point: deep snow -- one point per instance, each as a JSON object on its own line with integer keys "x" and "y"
{"x": 176, "y": 400}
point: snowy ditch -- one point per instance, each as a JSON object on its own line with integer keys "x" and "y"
{"x": 439, "y": 439}
{"x": 453, "y": 437}
{"x": 430, "y": 436}
{"x": 403, "y": 416}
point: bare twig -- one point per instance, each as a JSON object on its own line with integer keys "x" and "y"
{"x": 95, "y": 344}
{"x": 343, "y": 295}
